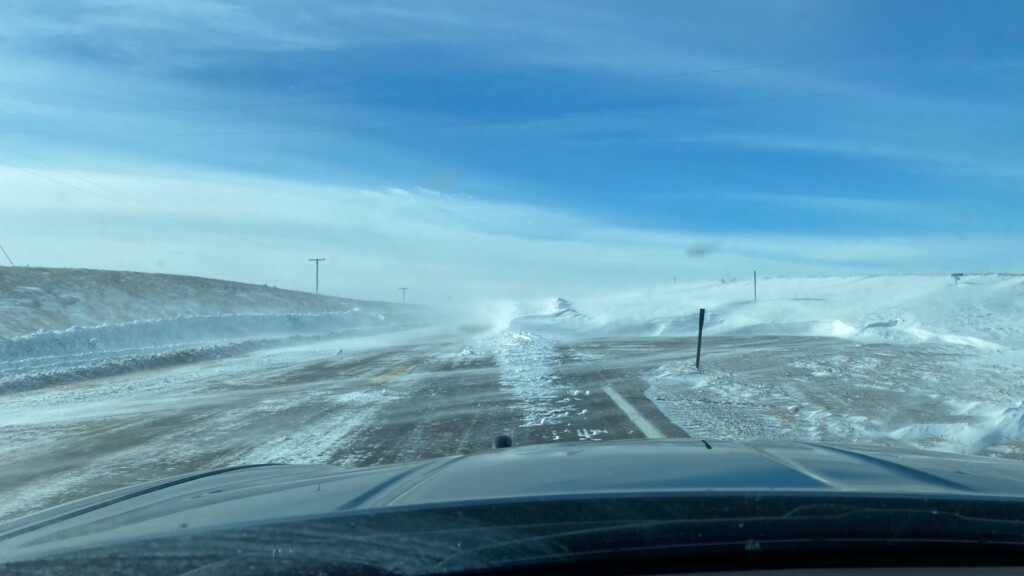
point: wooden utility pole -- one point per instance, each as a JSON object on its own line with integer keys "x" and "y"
{"x": 403, "y": 294}
{"x": 5, "y": 255}
{"x": 318, "y": 261}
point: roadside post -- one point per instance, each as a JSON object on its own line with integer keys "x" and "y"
{"x": 700, "y": 335}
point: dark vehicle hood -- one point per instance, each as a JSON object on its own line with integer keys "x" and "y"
{"x": 259, "y": 494}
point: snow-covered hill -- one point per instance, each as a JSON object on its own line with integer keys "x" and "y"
{"x": 34, "y": 299}
{"x": 67, "y": 325}
{"x": 981, "y": 311}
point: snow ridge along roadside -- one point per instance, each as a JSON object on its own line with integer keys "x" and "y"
{"x": 222, "y": 321}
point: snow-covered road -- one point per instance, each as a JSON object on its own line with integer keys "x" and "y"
{"x": 289, "y": 404}
{"x": 907, "y": 361}
{"x": 438, "y": 391}
{"x": 381, "y": 399}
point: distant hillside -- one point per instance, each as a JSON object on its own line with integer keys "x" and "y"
{"x": 33, "y": 299}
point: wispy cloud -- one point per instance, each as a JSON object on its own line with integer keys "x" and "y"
{"x": 936, "y": 159}
{"x": 823, "y": 202}
{"x": 523, "y": 147}
{"x": 376, "y": 240}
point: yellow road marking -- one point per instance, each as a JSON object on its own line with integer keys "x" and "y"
{"x": 389, "y": 374}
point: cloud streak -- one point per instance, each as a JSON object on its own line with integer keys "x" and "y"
{"x": 517, "y": 149}
{"x": 443, "y": 246}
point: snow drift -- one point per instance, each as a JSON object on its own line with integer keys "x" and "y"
{"x": 54, "y": 299}
{"x": 905, "y": 360}
{"x": 981, "y": 311}
{"x": 184, "y": 330}
{"x": 133, "y": 321}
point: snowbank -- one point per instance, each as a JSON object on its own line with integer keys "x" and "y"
{"x": 556, "y": 316}
{"x": 954, "y": 381}
{"x": 984, "y": 426}
{"x": 116, "y": 322}
{"x": 48, "y": 358}
{"x": 183, "y": 330}
{"x": 982, "y": 311}
{"x": 53, "y": 299}
{"x": 957, "y": 399}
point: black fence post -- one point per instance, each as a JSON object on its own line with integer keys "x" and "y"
{"x": 700, "y": 335}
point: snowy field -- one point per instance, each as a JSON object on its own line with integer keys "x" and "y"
{"x": 913, "y": 360}
{"x": 904, "y": 361}
{"x": 54, "y": 299}
{"x": 64, "y": 325}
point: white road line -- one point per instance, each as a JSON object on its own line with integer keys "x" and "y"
{"x": 642, "y": 423}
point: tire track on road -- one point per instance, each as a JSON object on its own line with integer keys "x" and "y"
{"x": 615, "y": 401}
{"x": 222, "y": 416}
{"x": 447, "y": 407}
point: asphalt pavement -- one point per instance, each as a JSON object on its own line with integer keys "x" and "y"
{"x": 376, "y": 403}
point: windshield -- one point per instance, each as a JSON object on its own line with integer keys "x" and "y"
{"x": 369, "y": 233}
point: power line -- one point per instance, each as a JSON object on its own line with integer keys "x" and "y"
{"x": 144, "y": 206}
{"x": 79, "y": 188}
{"x": 6, "y": 256}
{"x": 96, "y": 184}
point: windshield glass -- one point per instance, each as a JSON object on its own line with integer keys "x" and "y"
{"x": 379, "y": 232}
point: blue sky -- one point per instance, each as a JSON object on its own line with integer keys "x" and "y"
{"x": 801, "y": 137}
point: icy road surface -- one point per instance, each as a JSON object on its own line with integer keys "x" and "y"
{"x": 438, "y": 392}
{"x": 414, "y": 395}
